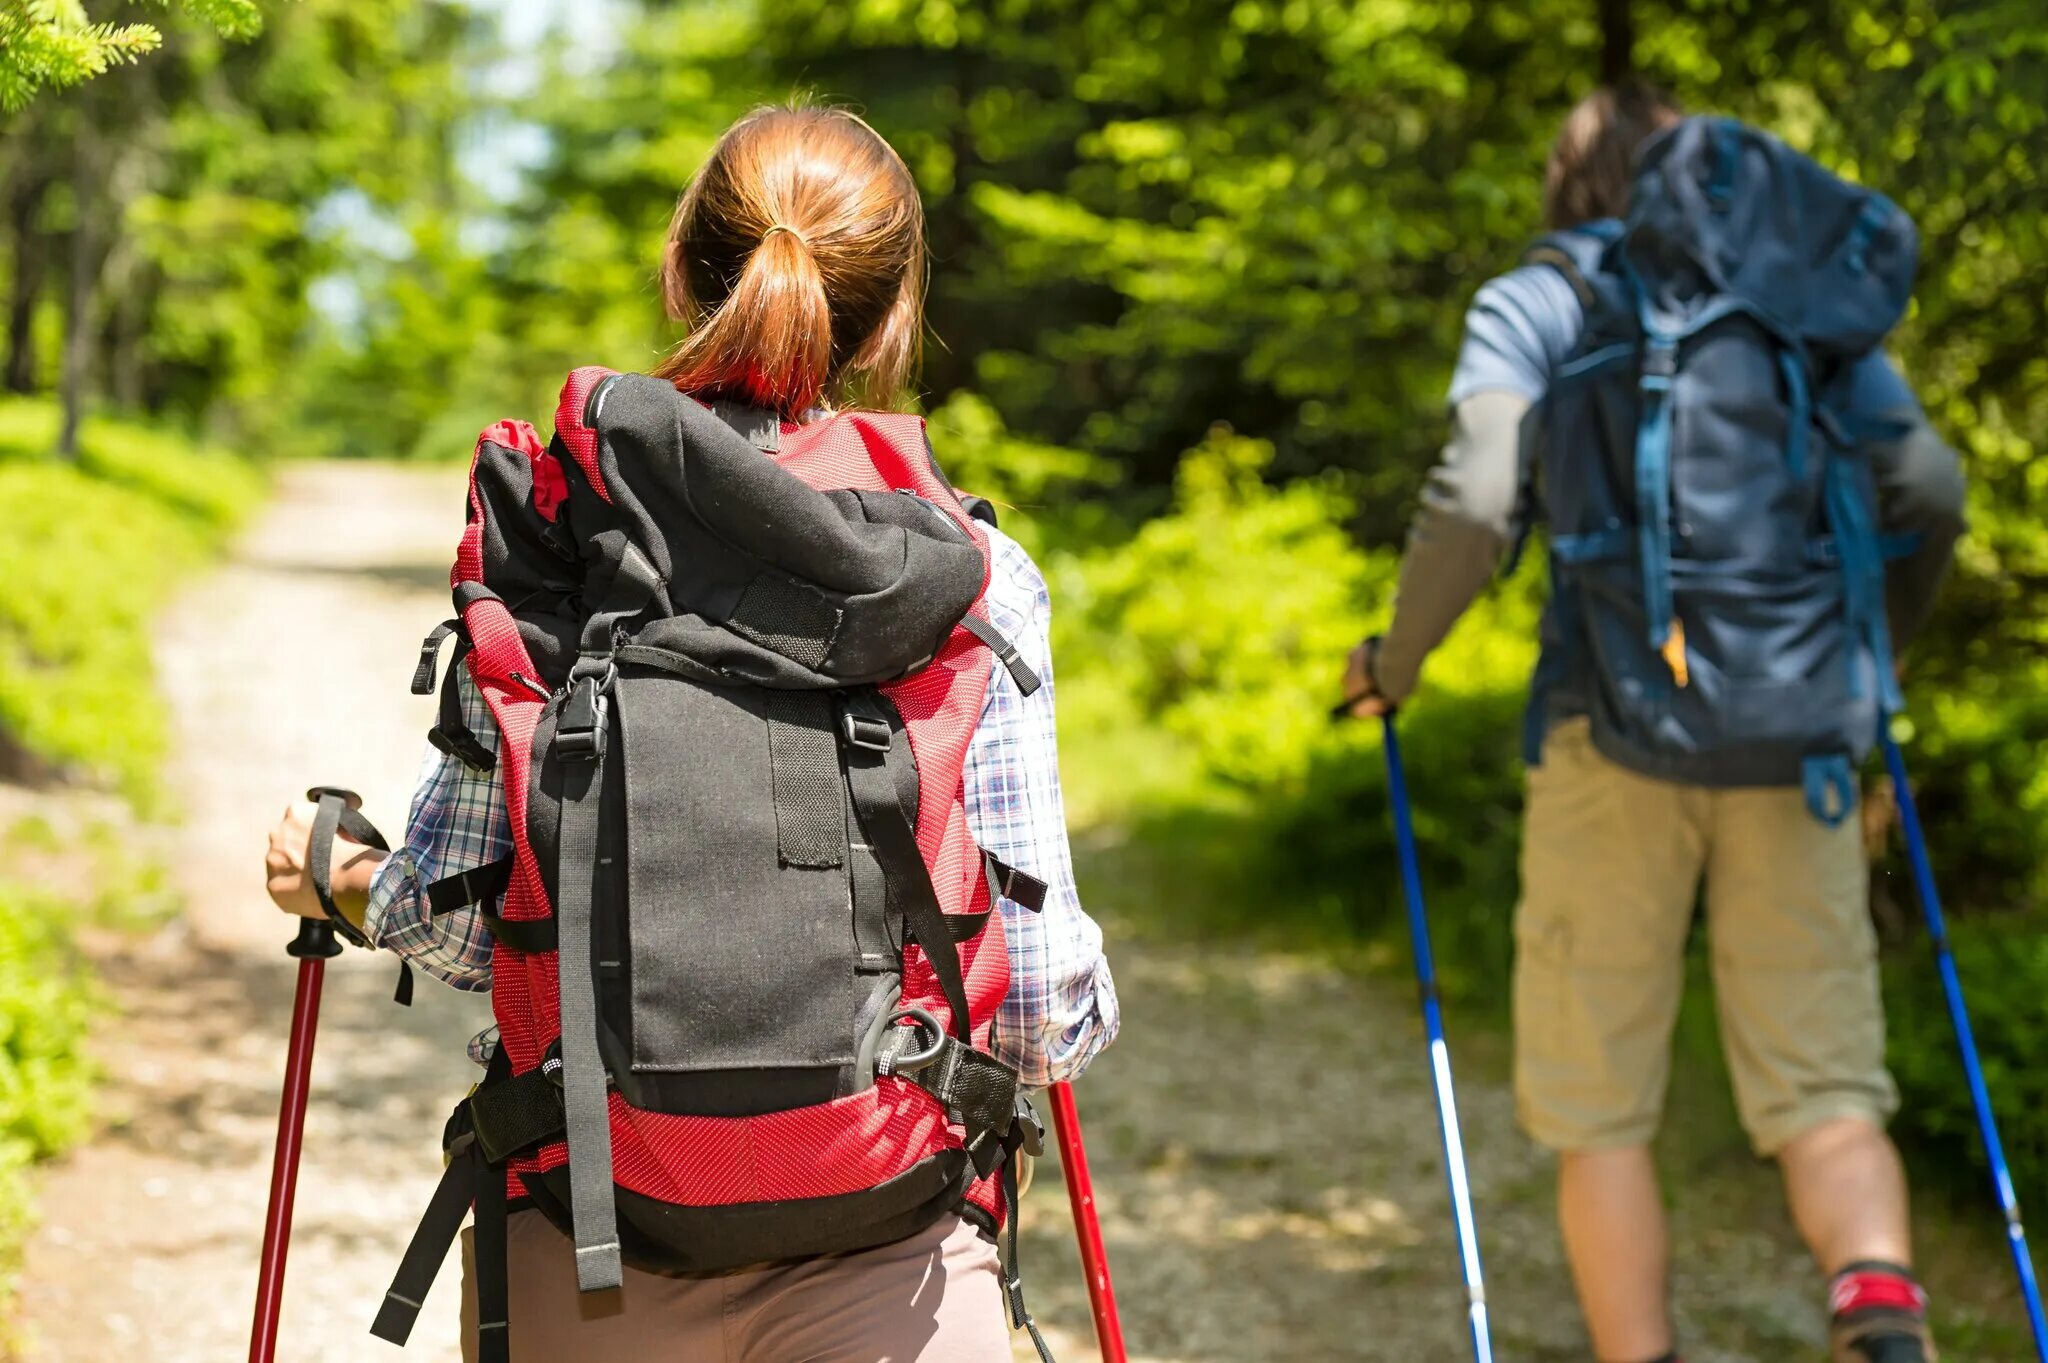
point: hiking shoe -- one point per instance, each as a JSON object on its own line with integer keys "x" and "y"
{"x": 1880, "y": 1315}
{"x": 1882, "y": 1337}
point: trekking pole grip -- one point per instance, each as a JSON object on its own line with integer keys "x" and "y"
{"x": 316, "y": 941}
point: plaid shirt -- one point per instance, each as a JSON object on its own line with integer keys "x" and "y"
{"x": 1061, "y": 1008}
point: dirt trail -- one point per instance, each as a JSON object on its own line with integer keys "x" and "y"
{"x": 1265, "y": 1142}
{"x": 285, "y": 667}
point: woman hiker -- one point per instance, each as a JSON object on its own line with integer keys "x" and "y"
{"x": 796, "y": 258}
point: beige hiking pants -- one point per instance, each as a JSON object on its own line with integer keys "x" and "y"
{"x": 933, "y": 1298}
{"x": 1611, "y": 869}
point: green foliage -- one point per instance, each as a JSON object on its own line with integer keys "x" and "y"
{"x": 47, "y": 1002}
{"x": 2004, "y": 968}
{"x": 1219, "y": 620}
{"x": 51, "y": 44}
{"x": 94, "y": 550}
{"x": 1202, "y": 656}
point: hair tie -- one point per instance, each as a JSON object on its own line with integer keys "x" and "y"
{"x": 784, "y": 227}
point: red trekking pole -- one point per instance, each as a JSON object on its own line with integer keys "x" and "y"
{"x": 1066, "y": 1126}
{"x": 314, "y": 946}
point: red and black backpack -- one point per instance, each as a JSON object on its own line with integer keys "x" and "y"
{"x": 746, "y": 950}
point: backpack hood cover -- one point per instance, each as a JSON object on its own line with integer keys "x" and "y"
{"x": 758, "y": 576}
{"x": 1832, "y": 263}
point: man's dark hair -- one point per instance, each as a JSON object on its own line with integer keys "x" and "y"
{"x": 1593, "y": 159}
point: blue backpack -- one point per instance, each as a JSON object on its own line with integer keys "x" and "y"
{"x": 1717, "y": 572}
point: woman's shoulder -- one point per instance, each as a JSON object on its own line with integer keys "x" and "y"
{"x": 1016, "y": 585}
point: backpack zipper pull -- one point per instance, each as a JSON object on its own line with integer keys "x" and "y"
{"x": 1674, "y": 654}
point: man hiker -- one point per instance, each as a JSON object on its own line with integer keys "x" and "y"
{"x": 1658, "y": 760}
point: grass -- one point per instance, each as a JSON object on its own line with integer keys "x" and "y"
{"x": 47, "y": 1002}
{"x": 93, "y": 549}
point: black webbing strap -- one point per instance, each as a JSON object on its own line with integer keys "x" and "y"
{"x": 965, "y": 927}
{"x": 473, "y": 886}
{"x": 803, "y": 771}
{"x": 1005, "y": 881}
{"x": 530, "y": 935}
{"x": 493, "y": 1273}
{"x": 338, "y": 809}
{"x": 1013, "y": 1278}
{"x": 874, "y": 744}
{"x": 451, "y": 733}
{"x": 437, "y": 1231}
{"x": 401, "y": 994}
{"x": 502, "y": 1116}
{"x": 1005, "y": 651}
{"x": 430, "y": 656}
{"x": 880, "y": 951}
{"x": 593, "y": 1215}
{"x": 977, "y": 1090}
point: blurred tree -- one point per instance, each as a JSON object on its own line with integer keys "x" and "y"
{"x": 189, "y": 203}
{"x": 51, "y": 44}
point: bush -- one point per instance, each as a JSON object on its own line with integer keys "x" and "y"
{"x": 92, "y": 550}
{"x": 46, "y": 1005}
{"x": 1202, "y": 656}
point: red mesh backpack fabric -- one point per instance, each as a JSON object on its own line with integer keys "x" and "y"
{"x": 747, "y": 953}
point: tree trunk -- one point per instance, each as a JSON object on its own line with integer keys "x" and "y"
{"x": 78, "y": 329}
{"x": 31, "y": 262}
{"x": 1617, "y": 41}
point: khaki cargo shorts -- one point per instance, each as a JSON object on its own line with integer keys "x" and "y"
{"x": 1611, "y": 867}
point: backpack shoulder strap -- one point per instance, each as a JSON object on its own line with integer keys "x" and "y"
{"x": 1576, "y": 253}
{"x": 572, "y": 415}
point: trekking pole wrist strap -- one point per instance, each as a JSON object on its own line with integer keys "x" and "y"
{"x": 338, "y": 809}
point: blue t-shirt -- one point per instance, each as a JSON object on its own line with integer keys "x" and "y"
{"x": 1523, "y": 325}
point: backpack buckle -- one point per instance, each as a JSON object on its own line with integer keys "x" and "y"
{"x": 581, "y": 733}
{"x": 865, "y": 731}
{"x": 893, "y": 1059}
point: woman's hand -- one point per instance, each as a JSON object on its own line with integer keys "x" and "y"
{"x": 290, "y": 881}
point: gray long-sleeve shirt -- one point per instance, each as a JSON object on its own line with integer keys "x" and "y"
{"x": 1520, "y": 328}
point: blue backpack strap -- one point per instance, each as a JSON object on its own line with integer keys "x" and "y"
{"x": 1876, "y": 215}
{"x": 1799, "y": 405}
{"x": 1860, "y": 551}
{"x": 1830, "y": 783}
{"x": 1727, "y": 161}
{"x": 1653, "y": 463}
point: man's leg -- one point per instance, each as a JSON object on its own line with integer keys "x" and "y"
{"x": 1610, "y": 867}
{"x": 1848, "y": 1194}
{"x": 1612, "y": 1215}
{"x": 1795, "y": 974}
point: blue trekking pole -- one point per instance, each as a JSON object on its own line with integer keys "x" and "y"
{"x": 1952, "y": 988}
{"x": 1439, "y": 1051}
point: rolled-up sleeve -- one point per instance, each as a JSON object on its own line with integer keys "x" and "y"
{"x": 457, "y": 821}
{"x": 1062, "y": 1008}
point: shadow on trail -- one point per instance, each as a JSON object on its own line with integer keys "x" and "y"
{"x": 380, "y": 1070}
